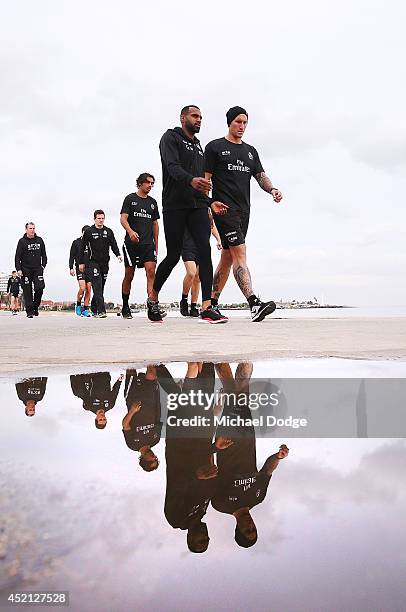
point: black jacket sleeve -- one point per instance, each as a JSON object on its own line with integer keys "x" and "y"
{"x": 72, "y": 255}
{"x": 114, "y": 392}
{"x": 85, "y": 243}
{"x": 9, "y": 285}
{"x": 44, "y": 258}
{"x": 113, "y": 244}
{"x": 18, "y": 256}
{"x": 170, "y": 158}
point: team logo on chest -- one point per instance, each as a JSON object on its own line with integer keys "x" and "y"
{"x": 250, "y": 155}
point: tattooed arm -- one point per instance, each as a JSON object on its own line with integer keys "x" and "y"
{"x": 266, "y": 184}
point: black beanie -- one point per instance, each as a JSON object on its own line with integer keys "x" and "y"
{"x": 233, "y": 112}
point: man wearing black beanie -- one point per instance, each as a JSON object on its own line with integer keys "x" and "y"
{"x": 230, "y": 163}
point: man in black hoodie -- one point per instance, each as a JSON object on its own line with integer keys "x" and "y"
{"x": 31, "y": 391}
{"x": 13, "y": 288}
{"x": 184, "y": 205}
{"x": 30, "y": 262}
{"x": 85, "y": 286}
{"x": 98, "y": 239}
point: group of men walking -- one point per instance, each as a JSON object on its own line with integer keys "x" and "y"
{"x": 190, "y": 214}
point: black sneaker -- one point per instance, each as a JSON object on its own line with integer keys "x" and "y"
{"x": 126, "y": 312}
{"x": 154, "y": 314}
{"x": 184, "y": 308}
{"x": 30, "y": 316}
{"x": 162, "y": 311}
{"x": 35, "y": 312}
{"x": 212, "y": 316}
{"x": 260, "y": 310}
{"x": 194, "y": 312}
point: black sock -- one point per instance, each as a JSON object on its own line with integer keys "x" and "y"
{"x": 214, "y": 301}
{"x": 78, "y": 303}
{"x": 184, "y": 296}
{"x": 193, "y": 305}
{"x": 125, "y": 297}
{"x": 252, "y": 299}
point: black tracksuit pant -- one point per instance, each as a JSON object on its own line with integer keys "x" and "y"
{"x": 33, "y": 288}
{"x": 97, "y": 276}
{"x": 175, "y": 222}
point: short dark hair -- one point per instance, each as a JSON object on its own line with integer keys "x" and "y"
{"x": 191, "y": 540}
{"x": 85, "y": 227}
{"x": 13, "y": 271}
{"x": 100, "y": 426}
{"x": 241, "y": 540}
{"x": 98, "y": 212}
{"x": 185, "y": 109}
{"x": 148, "y": 466}
{"x": 27, "y": 412}
{"x": 29, "y": 223}
{"x": 143, "y": 177}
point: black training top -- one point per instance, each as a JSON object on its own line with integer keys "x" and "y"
{"x": 74, "y": 255}
{"x": 182, "y": 160}
{"x": 232, "y": 166}
{"x": 145, "y": 425}
{"x": 142, "y": 212}
{"x": 30, "y": 253}
{"x": 98, "y": 242}
{"x": 94, "y": 390}
{"x": 31, "y": 389}
{"x": 13, "y": 285}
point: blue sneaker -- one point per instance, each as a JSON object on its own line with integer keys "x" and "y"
{"x": 78, "y": 310}
{"x": 86, "y": 313}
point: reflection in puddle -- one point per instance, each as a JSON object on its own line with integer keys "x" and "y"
{"x": 185, "y": 458}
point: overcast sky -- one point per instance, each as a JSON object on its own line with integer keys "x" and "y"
{"x": 88, "y": 88}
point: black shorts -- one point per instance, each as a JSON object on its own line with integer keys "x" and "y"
{"x": 232, "y": 227}
{"x": 135, "y": 256}
{"x": 189, "y": 250}
{"x": 83, "y": 275}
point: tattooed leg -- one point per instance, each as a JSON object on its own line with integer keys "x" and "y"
{"x": 243, "y": 277}
{"x": 221, "y": 274}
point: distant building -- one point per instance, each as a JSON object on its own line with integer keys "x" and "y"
{"x": 3, "y": 282}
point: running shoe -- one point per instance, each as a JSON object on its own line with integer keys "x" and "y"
{"x": 154, "y": 314}
{"x": 194, "y": 312}
{"x": 261, "y": 309}
{"x": 162, "y": 311}
{"x": 183, "y": 307}
{"x": 126, "y": 312}
{"x": 86, "y": 313}
{"x": 78, "y": 311}
{"x": 36, "y": 313}
{"x": 30, "y": 316}
{"x": 212, "y": 316}
{"x": 102, "y": 315}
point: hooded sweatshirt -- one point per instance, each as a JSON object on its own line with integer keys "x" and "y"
{"x": 182, "y": 160}
{"x": 30, "y": 253}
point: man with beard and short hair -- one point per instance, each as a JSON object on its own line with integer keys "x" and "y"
{"x": 230, "y": 163}
{"x": 98, "y": 239}
{"x": 13, "y": 288}
{"x": 30, "y": 262}
{"x": 184, "y": 203}
{"x": 139, "y": 217}
{"x": 85, "y": 286}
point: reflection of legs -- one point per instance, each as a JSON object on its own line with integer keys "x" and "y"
{"x": 174, "y": 227}
{"x": 222, "y": 273}
{"x": 150, "y": 267}
{"x": 240, "y": 269}
{"x": 191, "y": 270}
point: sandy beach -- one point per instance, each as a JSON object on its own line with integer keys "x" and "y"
{"x": 61, "y": 340}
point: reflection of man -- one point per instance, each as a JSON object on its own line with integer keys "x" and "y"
{"x": 142, "y": 424}
{"x": 96, "y": 393}
{"x": 30, "y": 392}
{"x": 190, "y": 469}
{"x": 240, "y": 485}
